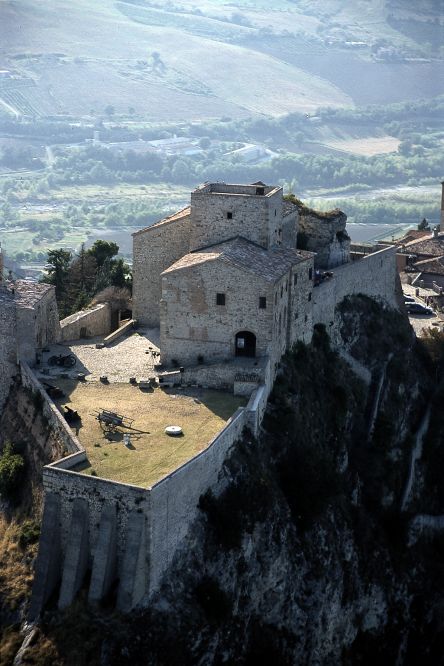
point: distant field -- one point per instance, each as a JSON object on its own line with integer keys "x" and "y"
{"x": 220, "y": 59}
{"x": 368, "y": 146}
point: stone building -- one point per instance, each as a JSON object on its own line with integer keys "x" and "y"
{"x": 232, "y": 274}
{"x": 28, "y": 321}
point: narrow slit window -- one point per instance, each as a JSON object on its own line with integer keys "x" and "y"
{"x": 220, "y": 299}
{"x": 295, "y": 278}
{"x": 229, "y": 215}
{"x": 262, "y": 302}
{"x": 310, "y": 273}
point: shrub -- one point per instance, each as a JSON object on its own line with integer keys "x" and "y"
{"x": 29, "y": 533}
{"x": 12, "y": 466}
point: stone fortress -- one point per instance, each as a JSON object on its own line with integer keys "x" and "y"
{"x": 231, "y": 282}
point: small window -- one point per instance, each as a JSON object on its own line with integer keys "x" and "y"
{"x": 260, "y": 190}
{"x": 229, "y": 215}
{"x": 276, "y": 298}
{"x": 282, "y": 290}
{"x": 309, "y": 296}
{"x": 310, "y": 273}
{"x": 295, "y": 278}
{"x": 275, "y": 212}
{"x": 262, "y": 302}
{"x": 306, "y": 318}
{"x": 296, "y": 314}
{"x": 220, "y": 299}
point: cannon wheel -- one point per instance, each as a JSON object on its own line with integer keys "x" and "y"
{"x": 69, "y": 361}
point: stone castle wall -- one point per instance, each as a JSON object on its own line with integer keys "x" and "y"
{"x": 193, "y": 324}
{"x": 37, "y": 326}
{"x": 374, "y": 275}
{"x": 87, "y": 323}
{"x": 154, "y": 250}
{"x": 256, "y": 217}
{"x": 8, "y": 344}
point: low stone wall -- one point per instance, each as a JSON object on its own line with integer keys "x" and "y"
{"x": 87, "y": 323}
{"x": 374, "y": 275}
{"x": 55, "y": 420}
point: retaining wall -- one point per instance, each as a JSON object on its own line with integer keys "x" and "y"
{"x": 87, "y": 323}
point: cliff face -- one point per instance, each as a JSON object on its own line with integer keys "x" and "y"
{"x": 308, "y": 556}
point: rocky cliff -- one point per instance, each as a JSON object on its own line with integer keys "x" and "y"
{"x": 326, "y": 546}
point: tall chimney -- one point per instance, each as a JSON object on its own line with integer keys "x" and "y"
{"x": 442, "y": 207}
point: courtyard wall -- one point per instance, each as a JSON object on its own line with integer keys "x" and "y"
{"x": 87, "y": 323}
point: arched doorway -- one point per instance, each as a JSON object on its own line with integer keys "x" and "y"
{"x": 245, "y": 344}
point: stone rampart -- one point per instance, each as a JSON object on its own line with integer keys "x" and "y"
{"x": 56, "y": 422}
{"x": 374, "y": 275}
{"x": 174, "y": 499}
{"x": 87, "y": 323}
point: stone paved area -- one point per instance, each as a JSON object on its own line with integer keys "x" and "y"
{"x": 129, "y": 356}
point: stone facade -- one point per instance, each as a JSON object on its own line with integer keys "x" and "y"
{"x": 154, "y": 249}
{"x": 28, "y": 321}
{"x": 220, "y": 211}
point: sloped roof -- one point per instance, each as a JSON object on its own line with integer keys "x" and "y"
{"x": 176, "y": 217}
{"x": 27, "y": 294}
{"x": 270, "y": 265}
{"x": 432, "y": 246}
{"x": 435, "y": 266}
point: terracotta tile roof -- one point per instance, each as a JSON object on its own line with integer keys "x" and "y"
{"x": 435, "y": 266}
{"x": 431, "y": 246}
{"x": 176, "y": 217}
{"x": 413, "y": 234}
{"x": 267, "y": 264}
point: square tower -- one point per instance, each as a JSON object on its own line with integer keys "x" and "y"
{"x": 220, "y": 211}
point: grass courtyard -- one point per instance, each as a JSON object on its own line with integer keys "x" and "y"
{"x": 152, "y": 454}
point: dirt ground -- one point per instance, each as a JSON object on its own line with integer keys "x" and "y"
{"x": 151, "y": 454}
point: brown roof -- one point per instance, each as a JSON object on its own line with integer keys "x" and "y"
{"x": 27, "y": 294}
{"x": 431, "y": 246}
{"x": 176, "y": 217}
{"x": 267, "y": 264}
{"x": 413, "y": 234}
{"x": 435, "y": 266}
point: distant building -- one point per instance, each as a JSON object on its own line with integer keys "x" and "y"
{"x": 252, "y": 153}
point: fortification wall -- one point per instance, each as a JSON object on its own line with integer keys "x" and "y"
{"x": 56, "y": 423}
{"x": 374, "y": 275}
{"x": 8, "y": 345}
{"x": 97, "y": 493}
{"x": 154, "y": 250}
{"x": 174, "y": 499}
{"x": 87, "y": 323}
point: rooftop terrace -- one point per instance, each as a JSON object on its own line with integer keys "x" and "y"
{"x": 152, "y": 454}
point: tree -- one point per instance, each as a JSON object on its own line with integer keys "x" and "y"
{"x": 81, "y": 280}
{"x": 11, "y": 470}
{"x": 423, "y": 225}
{"x": 102, "y": 250}
{"x": 57, "y": 271}
{"x": 121, "y": 274}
